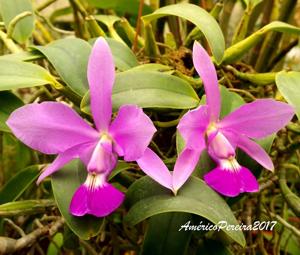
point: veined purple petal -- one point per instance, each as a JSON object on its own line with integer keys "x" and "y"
{"x": 184, "y": 166}
{"x": 192, "y": 127}
{"x": 154, "y": 167}
{"x": 231, "y": 183}
{"x": 132, "y": 130}
{"x": 208, "y": 74}
{"x": 259, "y": 118}
{"x": 50, "y": 127}
{"x": 103, "y": 159}
{"x": 63, "y": 158}
{"x": 256, "y": 152}
{"x": 101, "y": 77}
{"x": 99, "y": 200}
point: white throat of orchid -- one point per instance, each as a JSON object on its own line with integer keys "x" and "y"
{"x": 94, "y": 181}
{"x": 230, "y": 164}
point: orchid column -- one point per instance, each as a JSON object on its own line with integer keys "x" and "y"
{"x": 55, "y": 128}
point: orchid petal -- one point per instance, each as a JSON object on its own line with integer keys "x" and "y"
{"x": 231, "y": 183}
{"x": 184, "y": 166}
{"x": 208, "y": 75}
{"x": 98, "y": 201}
{"x": 101, "y": 77}
{"x": 154, "y": 167}
{"x": 192, "y": 127}
{"x": 132, "y": 130}
{"x": 50, "y": 127}
{"x": 256, "y": 152}
{"x": 259, "y": 118}
{"x": 81, "y": 150}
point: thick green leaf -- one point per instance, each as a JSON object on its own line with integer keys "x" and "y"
{"x": 146, "y": 198}
{"x": 149, "y": 89}
{"x": 289, "y": 86}
{"x": 25, "y": 207}
{"x": 8, "y": 103}
{"x": 54, "y": 247}
{"x": 166, "y": 239}
{"x": 23, "y": 56}
{"x": 69, "y": 57}
{"x": 17, "y": 74}
{"x": 239, "y": 49}
{"x": 198, "y": 16}
{"x": 15, "y": 187}
{"x": 123, "y": 56}
{"x": 213, "y": 247}
{"x": 154, "y": 68}
{"x": 10, "y": 9}
{"x": 120, "y": 5}
{"x": 64, "y": 184}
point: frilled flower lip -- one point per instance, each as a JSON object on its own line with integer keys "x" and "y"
{"x": 55, "y": 128}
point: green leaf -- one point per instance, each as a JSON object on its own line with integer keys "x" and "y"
{"x": 238, "y": 50}
{"x": 154, "y": 68}
{"x": 201, "y": 18}
{"x": 17, "y": 74}
{"x": 24, "y": 27}
{"x": 288, "y": 85}
{"x": 54, "y": 247}
{"x": 16, "y": 186}
{"x": 149, "y": 89}
{"x": 123, "y": 56}
{"x": 69, "y": 57}
{"x": 213, "y": 247}
{"x": 166, "y": 239}
{"x": 25, "y": 207}
{"x": 64, "y": 184}
{"x": 121, "y": 6}
{"x": 8, "y": 103}
{"x": 23, "y": 56}
{"x": 146, "y": 198}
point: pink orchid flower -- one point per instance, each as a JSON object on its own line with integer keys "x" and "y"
{"x": 54, "y": 128}
{"x": 202, "y": 128}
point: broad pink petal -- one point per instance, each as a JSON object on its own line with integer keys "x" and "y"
{"x": 259, "y": 118}
{"x": 101, "y": 77}
{"x": 154, "y": 167}
{"x": 50, "y": 127}
{"x": 78, "y": 151}
{"x": 192, "y": 127}
{"x": 184, "y": 166}
{"x": 132, "y": 130}
{"x": 99, "y": 201}
{"x": 208, "y": 74}
{"x": 231, "y": 183}
{"x": 256, "y": 152}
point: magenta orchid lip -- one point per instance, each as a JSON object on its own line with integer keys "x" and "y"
{"x": 54, "y": 128}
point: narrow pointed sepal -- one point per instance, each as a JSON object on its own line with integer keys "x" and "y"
{"x": 231, "y": 183}
{"x": 99, "y": 201}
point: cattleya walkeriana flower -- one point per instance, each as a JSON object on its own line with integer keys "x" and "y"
{"x": 54, "y": 128}
{"x": 201, "y": 128}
